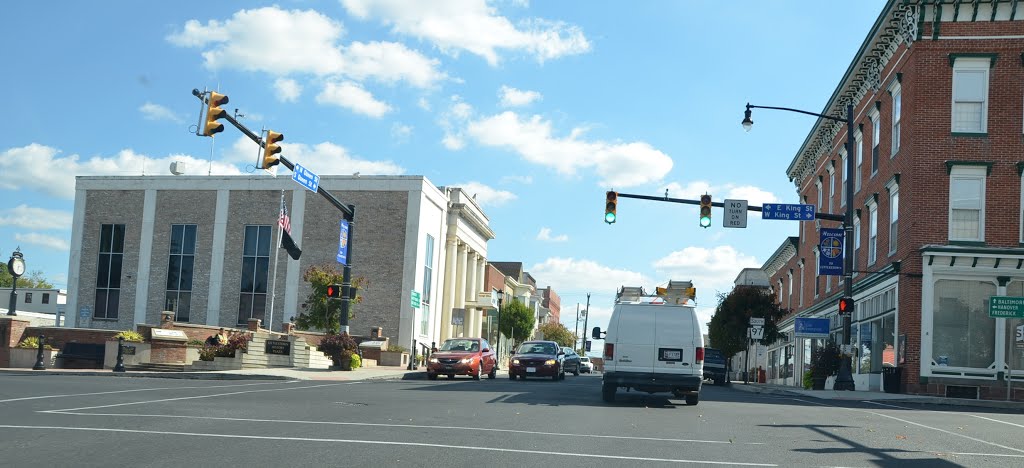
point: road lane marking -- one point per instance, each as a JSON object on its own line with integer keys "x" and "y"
{"x": 411, "y": 426}
{"x": 949, "y": 412}
{"x": 41, "y": 397}
{"x": 1007, "y": 455}
{"x": 919, "y": 424}
{"x": 996, "y": 420}
{"x": 189, "y": 398}
{"x": 381, "y": 442}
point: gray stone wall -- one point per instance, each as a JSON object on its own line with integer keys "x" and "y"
{"x": 182, "y": 207}
{"x": 110, "y": 207}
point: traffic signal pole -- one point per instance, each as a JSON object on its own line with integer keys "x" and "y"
{"x": 348, "y": 212}
{"x": 817, "y": 215}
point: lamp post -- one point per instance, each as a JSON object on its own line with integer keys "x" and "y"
{"x": 497, "y": 343}
{"x": 844, "y": 381}
{"x": 16, "y": 267}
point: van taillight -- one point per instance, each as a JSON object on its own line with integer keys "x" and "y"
{"x": 609, "y": 351}
{"x": 700, "y": 355}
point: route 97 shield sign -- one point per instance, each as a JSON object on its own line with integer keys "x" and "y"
{"x": 830, "y": 258}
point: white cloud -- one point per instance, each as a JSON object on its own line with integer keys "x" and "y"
{"x": 710, "y": 269}
{"x": 30, "y": 217}
{"x": 423, "y": 103}
{"x": 43, "y": 240}
{"x": 352, "y": 96}
{"x": 485, "y": 195}
{"x": 328, "y": 158}
{"x": 545, "y": 235}
{"x": 521, "y": 179}
{"x": 152, "y": 111}
{"x": 753, "y": 195}
{"x": 283, "y": 42}
{"x": 512, "y": 97}
{"x": 618, "y": 164}
{"x": 41, "y": 168}
{"x": 400, "y": 133}
{"x": 473, "y": 26}
{"x": 452, "y": 121}
{"x": 288, "y": 90}
{"x": 453, "y": 142}
{"x": 693, "y": 190}
{"x": 569, "y": 276}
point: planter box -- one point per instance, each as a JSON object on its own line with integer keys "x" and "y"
{"x": 141, "y": 354}
{"x": 25, "y": 358}
{"x": 388, "y": 358}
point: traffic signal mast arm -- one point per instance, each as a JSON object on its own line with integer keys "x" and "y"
{"x": 825, "y": 216}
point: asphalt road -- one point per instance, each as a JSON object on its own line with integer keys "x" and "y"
{"x": 100, "y": 421}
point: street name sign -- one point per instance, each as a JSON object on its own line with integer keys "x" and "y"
{"x": 735, "y": 214}
{"x": 306, "y": 178}
{"x": 757, "y": 321}
{"x": 784, "y": 211}
{"x": 1006, "y": 307}
{"x": 805, "y": 327}
{"x": 414, "y": 299}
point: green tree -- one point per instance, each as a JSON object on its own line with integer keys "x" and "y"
{"x": 558, "y": 333}
{"x": 727, "y": 330}
{"x": 319, "y": 313}
{"x": 516, "y": 321}
{"x": 32, "y": 279}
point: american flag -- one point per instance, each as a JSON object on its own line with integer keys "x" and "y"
{"x": 284, "y": 221}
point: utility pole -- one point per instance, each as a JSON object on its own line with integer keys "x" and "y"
{"x": 586, "y": 316}
{"x": 577, "y": 335}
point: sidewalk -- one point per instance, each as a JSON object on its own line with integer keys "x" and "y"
{"x": 893, "y": 398}
{"x": 292, "y": 373}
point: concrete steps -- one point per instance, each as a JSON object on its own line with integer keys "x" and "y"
{"x": 157, "y": 367}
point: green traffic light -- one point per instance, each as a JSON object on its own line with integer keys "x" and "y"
{"x": 705, "y": 221}
{"x": 609, "y": 218}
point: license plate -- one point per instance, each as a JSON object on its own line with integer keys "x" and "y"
{"x": 531, "y": 369}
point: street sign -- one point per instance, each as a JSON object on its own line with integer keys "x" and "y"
{"x": 735, "y": 214}
{"x": 1006, "y": 307}
{"x": 757, "y": 321}
{"x": 587, "y": 347}
{"x": 343, "y": 243}
{"x": 797, "y": 212}
{"x": 811, "y": 327}
{"x": 756, "y": 333}
{"x": 306, "y": 178}
{"x": 414, "y": 299}
{"x": 1019, "y": 340}
{"x": 830, "y": 260}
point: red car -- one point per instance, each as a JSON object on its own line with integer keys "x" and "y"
{"x": 463, "y": 356}
{"x": 537, "y": 359}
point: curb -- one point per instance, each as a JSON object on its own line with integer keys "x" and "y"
{"x": 154, "y": 375}
{"x": 921, "y": 400}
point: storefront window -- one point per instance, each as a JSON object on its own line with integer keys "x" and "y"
{"x": 876, "y": 344}
{"x": 963, "y": 334}
{"x": 1015, "y": 332}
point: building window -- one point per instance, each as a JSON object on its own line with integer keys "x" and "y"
{"x": 876, "y": 133}
{"x": 831, "y": 187}
{"x": 967, "y": 203}
{"x": 108, "y": 271}
{"x": 46, "y": 298}
{"x": 817, "y": 278}
{"x": 817, "y": 186}
{"x": 856, "y": 243}
{"x": 897, "y": 110}
{"x": 789, "y": 295}
{"x": 872, "y": 232}
{"x": 28, "y": 298}
{"x": 801, "y": 300}
{"x": 428, "y": 273}
{"x": 780, "y": 292}
{"x": 859, "y": 141}
{"x": 255, "y": 268}
{"x": 963, "y": 334}
{"x": 894, "y": 216}
{"x": 970, "y": 95}
{"x": 842, "y": 156}
{"x": 180, "y": 264}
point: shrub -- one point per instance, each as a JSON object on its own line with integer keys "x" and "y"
{"x": 223, "y": 351}
{"x": 808, "y": 381}
{"x": 208, "y": 353}
{"x": 196, "y": 343}
{"x": 33, "y": 343}
{"x": 825, "y": 359}
{"x": 238, "y": 341}
{"x": 337, "y": 346}
{"x": 130, "y": 336}
{"x": 356, "y": 361}
{"x": 396, "y": 348}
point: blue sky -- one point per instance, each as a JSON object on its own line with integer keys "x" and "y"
{"x": 537, "y": 107}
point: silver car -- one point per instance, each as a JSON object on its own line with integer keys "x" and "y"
{"x": 586, "y": 366}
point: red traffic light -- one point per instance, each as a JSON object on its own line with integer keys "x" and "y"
{"x": 845, "y": 305}
{"x": 334, "y": 290}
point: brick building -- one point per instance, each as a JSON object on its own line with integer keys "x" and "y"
{"x": 938, "y": 94}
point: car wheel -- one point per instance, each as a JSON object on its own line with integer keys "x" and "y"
{"x": 576, "y": 371}
{"x": 479, "y": 371}
{"x": 608, "y": 393}
{"x": 692, "y": 400}
{"x": 494, "y": 372}
{"x": 431, "y": 376}
{"x": 558, "y": 375}
{"x": 511, "y": 376}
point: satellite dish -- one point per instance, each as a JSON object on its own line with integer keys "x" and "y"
{"x": 177, "y": 168}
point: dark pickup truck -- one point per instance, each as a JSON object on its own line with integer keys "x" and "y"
{"x": 715, "y": 366}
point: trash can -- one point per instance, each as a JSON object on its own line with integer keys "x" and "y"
{"x": 891, "y": 377}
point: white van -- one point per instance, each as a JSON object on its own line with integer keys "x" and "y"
{"x": 654, "y": 343}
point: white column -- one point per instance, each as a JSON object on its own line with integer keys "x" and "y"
{"x": 460, "y": 280}
{"x": 471, "y": 312}
{"x": 220, "y": 232}
{"x": 480, "y": 286}
{"x": 145, "y": 256}
{"x": 449, "y": 288}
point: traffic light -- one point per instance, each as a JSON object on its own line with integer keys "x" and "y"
{"x": 214, "y": 112}
{"x": 270, "y": 150}
{"x": 845, "y": 305}
{"x": 334, "y": 291}
{"x": 705, "y": 210}
{"x": 609, "y": 209}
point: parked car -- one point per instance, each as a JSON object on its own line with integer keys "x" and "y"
{"x": 715, "y": 366}
{"x": 463, "y": 356}
{"x": 537, "y": 359}
{"x": 571, "y": 361}
{"x": 585, "y": 365}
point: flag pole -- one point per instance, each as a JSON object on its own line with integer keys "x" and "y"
{"x": 277, "y": 253}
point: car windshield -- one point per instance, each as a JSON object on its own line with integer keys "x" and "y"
{"x": 461, "y": 345}
{"x": 537, "y": 348}
{"x": 584, "y": 359}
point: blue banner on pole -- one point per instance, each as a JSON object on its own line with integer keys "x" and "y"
{"x": 811, "y": 327}
{"x": 830, "y": 249}
{"x": 343, "y": 243}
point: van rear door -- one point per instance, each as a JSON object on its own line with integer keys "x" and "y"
{"x": 634, "y": 333}
{"x": 674, "y": 348}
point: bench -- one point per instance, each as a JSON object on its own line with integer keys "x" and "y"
{"x": 73, "y": 352}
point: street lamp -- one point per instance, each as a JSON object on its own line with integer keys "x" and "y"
{"x": 844, "y": 381}
{"x": 497, "y": 343}
{"x": 16, "y": 267}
